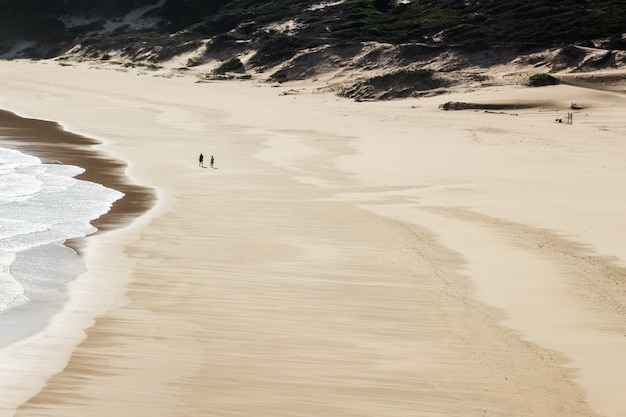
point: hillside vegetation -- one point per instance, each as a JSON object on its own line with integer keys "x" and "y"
{"x": 53, "y": 27}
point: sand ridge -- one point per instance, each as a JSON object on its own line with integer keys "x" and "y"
{"x": 345, "y": 258}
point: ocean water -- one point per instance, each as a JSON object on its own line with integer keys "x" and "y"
{"x": 41, "y": 206}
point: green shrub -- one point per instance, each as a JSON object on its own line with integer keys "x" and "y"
{"x": 403, "y": 77}
{"x": 232, "y": 65}
{"x": 616, "y": 42}
{"x": 195, "y": 61}
{"x": 279, "y": 76}
{"x": 542, "y": 79}
{"x": 274, "y": 49}
{"x": 147, "y": 65}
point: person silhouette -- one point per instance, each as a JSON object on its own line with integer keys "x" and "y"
{"x": 201, "y": 160}
{"x": 212, "y": 160}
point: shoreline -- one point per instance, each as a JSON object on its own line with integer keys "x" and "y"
{"x": 359, "y": 258}
{"x": 61, "y": 146}
{"x": 52, "y": 144}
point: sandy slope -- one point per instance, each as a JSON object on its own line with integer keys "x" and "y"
{"x": 342, "y": 259}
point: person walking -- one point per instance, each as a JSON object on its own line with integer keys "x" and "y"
{"x": 201, "y": 160}
{"x": 212, "y": 160}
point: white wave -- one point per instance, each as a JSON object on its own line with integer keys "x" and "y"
{"x": 12, "y": 292}
{"x": 41, "y": 204}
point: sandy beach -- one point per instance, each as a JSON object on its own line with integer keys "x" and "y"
{"x": 341, "y": 258}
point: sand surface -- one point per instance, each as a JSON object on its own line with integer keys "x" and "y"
{"x": 340, "y": 258}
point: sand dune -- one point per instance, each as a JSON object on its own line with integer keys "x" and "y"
{"x": 341, "y": 258}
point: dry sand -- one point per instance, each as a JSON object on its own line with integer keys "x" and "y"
{"x": 341, "y": 259}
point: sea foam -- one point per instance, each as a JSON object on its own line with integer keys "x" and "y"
{"x": 41, "y": 206}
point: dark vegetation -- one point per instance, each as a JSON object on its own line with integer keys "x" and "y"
{"x": 469, "y": 24}
{"x": 232, "y": 65}
{"x": 459, "y": 105}
{"x": 540, "y": 80}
